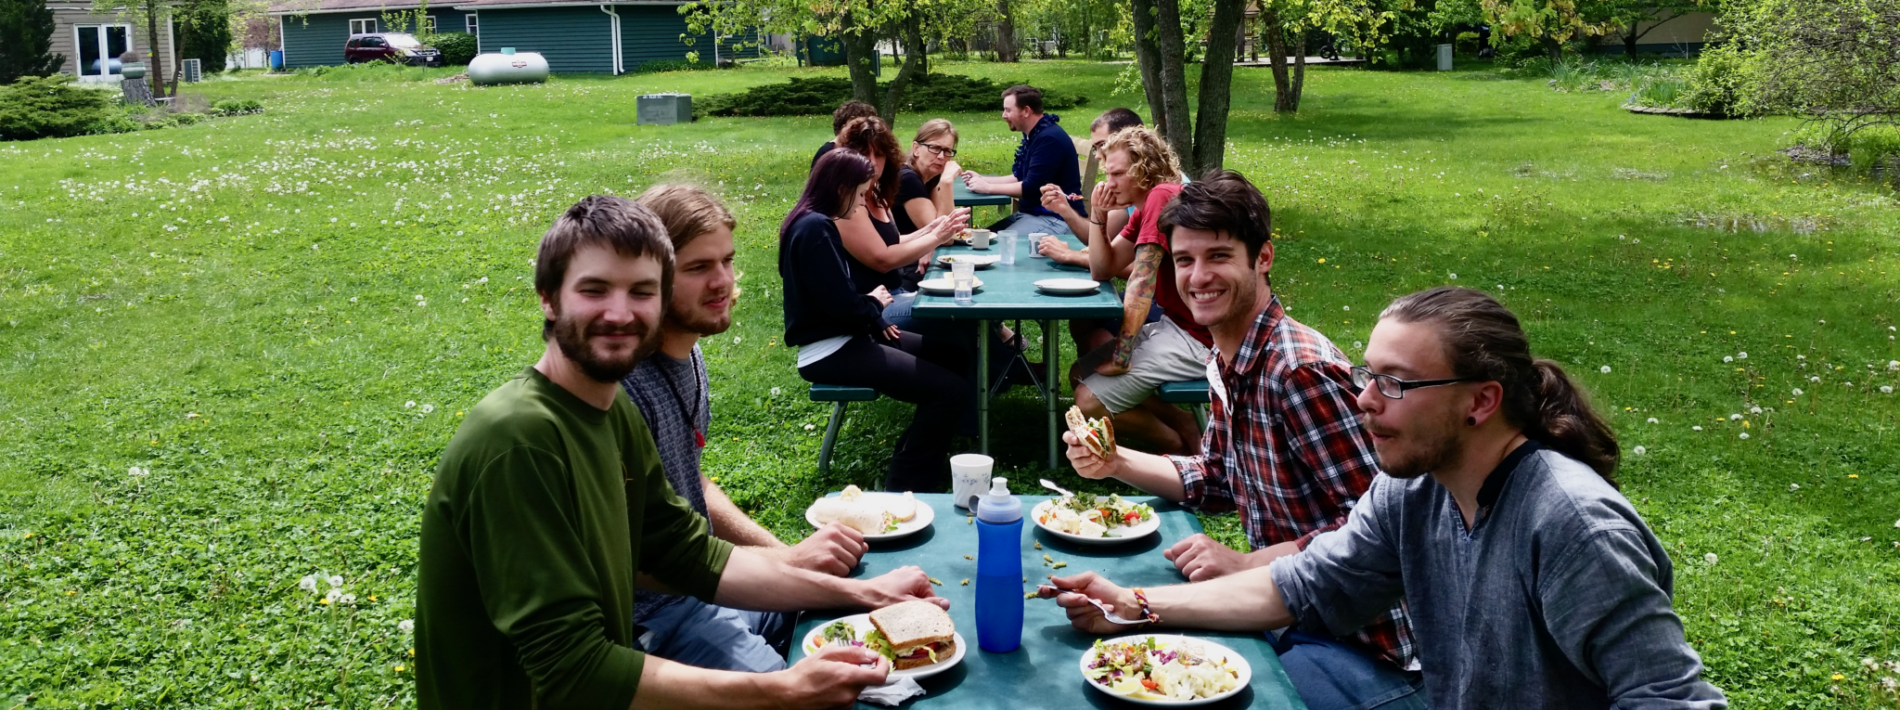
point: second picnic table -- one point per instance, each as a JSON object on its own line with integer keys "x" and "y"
{"x": 1009, "y": 293}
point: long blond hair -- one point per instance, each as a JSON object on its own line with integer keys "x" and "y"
{"x": 1150, "y": 160}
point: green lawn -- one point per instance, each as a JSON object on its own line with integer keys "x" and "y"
{"x": 278, "y": 320}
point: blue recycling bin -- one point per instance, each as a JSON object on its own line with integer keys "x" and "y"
{"x": 277, "y": 60}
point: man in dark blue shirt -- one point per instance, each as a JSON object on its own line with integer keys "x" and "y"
{"x": 1047, "y": 156}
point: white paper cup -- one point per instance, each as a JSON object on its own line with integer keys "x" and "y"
{"x": 970, "y": 478}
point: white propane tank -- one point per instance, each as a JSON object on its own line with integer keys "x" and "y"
{"x": 508, "y": 67}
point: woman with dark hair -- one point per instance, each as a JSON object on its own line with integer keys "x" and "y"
{"x": 842, "y": 336}
{"x": 870, "y": 232}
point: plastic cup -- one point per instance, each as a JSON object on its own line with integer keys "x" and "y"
{"x": 963, "y": 278}
{"x": 969, "y": 478}
{"x": 1006, "y": 243}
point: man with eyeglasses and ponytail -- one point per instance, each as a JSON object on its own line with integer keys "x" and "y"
{"x": 1531, "y": 582}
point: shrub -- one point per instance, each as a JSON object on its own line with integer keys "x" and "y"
{"x": 1870, "y": 147}
{"x": 659, "y": 65}
{"x": 457, "y": 48}
{"x": 1718, "y": 82}
{"x": 50, "y": 107}
{"x": 236, "y": 107}
{"x": 186, "y": 118}
{"x": 935, "y": 93}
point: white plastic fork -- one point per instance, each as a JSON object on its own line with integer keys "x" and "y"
{"x": 1106, "y": 614}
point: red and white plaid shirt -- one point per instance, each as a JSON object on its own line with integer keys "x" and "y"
{"x": 1285, "y": 448}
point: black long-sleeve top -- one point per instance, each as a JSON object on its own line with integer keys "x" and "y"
{"x": 820, "y": 298}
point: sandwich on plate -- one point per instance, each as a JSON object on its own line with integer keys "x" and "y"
{"x": 1096, "y": 435}
{"x": 913, "y": 634}
{"x": 871, "y": 517}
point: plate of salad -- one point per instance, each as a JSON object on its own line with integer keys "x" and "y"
{"x": 1170, "y": 671}
{"x": 1096, "y": 520}
{"x": 858, "y": 631}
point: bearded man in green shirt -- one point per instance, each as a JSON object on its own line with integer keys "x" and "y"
{"x": 550, "y": 501}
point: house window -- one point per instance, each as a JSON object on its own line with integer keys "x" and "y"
{"x": 99, "y": 49}
{"x": 363, "y": 27}
{"x": 468, "y": 22}
{"x": 428, "y": 23}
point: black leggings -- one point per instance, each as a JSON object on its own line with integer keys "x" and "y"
{"x": 918, "y": 369}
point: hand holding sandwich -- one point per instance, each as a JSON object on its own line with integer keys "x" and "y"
{"x": 830, "y": 678}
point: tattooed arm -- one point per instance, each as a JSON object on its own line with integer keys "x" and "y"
{"x": 1141, "y": 296}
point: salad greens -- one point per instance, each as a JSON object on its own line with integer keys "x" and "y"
{"x": 1093, "y": 516}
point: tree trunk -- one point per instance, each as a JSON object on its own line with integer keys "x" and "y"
{"x": 1553, "y": 48}
{"x": 1216, "y": 91}
{"x": 151, "y": 35}
{"x": 1148, "y": 60}
{"x": 913, "y": 65}
{"x": 1299, "y": 72}
{"x": 860, "y": 50}
{"x": 1005, "y": 33}
{"x": 1285, "y": 100}
{"x": 1180, "y": 126}
{"x": 1629, "y": 42}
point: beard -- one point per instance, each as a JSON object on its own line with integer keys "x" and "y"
{"x": 1435, "y": 444}
{"x": 699, "y": 323}
{"x": 574, "y": 336}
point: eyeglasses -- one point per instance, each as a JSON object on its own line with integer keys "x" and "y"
{"x": 1393, "y": 387}
{"x": 939, "y": 151}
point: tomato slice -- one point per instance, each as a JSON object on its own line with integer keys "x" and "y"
{"x": 1149, "y": 684}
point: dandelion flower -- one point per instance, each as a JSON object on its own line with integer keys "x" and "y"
{"x": 406, "y": 625}
{"x": 1653, "y": 420}
{"x": 775, "y": 391}
{"x": 1744, "y": 436}
{"x": 428, "y": 408}
{"x": 309, "y": 581}
{"x": 1710, "y": 558}
{"x": 1604, "y": 369}
{"x": 1454, "y": 277}
{"x": 1345, "y": 308}
{"x": 1734, "y": 417}
{"x": 1754, "y": 410}
{"x": 1639, "y": 451}
{"x": 411, "y": 404}
{"x": 1358, "y": 345}
{"x": 1695, "y": 428}
{"x": 736, "y": 339}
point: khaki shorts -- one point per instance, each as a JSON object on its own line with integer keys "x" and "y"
{"x": 1163, "y": 353}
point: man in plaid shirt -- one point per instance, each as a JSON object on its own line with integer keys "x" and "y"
{"x": 1283, "y": 446}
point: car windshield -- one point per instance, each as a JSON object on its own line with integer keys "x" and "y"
{"x": 403, "y": 41}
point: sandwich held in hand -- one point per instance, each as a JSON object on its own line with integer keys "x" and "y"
{"x": 1096, "y": 435}
{"x": 866, "y": 516}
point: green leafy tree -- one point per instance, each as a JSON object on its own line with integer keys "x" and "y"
{"x": 26, "y": 40}
{"x": 1834, "y": 61}
{"x": 204, "y": 32}
{"x": 152, "y": 14}
{"x": 1552, "y": 23}
{"x": 1631, "y": 16}
{"x": 858, "y": 25}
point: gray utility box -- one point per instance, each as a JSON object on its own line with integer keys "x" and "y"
{"x": 664, "y": 109}
{"x": 193, "y": 71}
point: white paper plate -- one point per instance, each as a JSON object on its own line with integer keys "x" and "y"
{"x": 1214, "y": 650}
{"x": 1146, "y": 528}
{"x": 1068, "y": 287}
{"x": 944, "y": 287}
{"x": 863, "y": 624}
{"x": 982, "y": 261}
{"x": 922, "y": 520}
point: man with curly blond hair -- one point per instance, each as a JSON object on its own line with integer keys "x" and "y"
{"x": 1119, "y": 379}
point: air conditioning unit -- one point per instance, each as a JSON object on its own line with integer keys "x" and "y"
{"x": 664, "y": 109}
{"x": 193, "y": 71}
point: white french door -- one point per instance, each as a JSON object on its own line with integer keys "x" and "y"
{"x": 99, "y": 47}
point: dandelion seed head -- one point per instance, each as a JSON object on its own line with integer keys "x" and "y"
{"x": 1639, "y": 451}
{"x": 1604, "y": 369}
{"x": 1792, "y": 487}
{"x": 1695, "y": 428}
{"x": 406, "y": 625}
{"x": 1744, "y": 435}
{"x": 1653, "y": 420}
{"x": 428, "y": 408}
{"x": 1734, "y": 417}
{"x": 332, "y": 596}
{"x": 1728, "y": 358}
{"x": 1710, "y": 558}
{"x": 309, "y": 581}
{"x": 409, "y": 404}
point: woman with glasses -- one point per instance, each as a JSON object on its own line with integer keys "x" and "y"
{"x": 922, "y": 194}
{"x": 887, "y": 252}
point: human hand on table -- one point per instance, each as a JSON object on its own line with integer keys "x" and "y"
{"x": 1057, "y": 248}
{"x": 831, "y": 677}
{"x": 834, "y": 550}
{"x": 971, "y": 179}
{"x": 899, "y": 585}
{"x": 1073, "y": 593}
{"x": 1086, "y": 463}
{"x": 1200, "y": 558}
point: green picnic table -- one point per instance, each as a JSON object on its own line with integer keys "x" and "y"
{"x": 1044, "y": 672}
{"x": 964, "y": 197}
{"x": 1008, "y": 293}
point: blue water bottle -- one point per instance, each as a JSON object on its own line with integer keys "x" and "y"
{"x": 999, "y": 569}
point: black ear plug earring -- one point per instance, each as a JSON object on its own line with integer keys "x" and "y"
{"x": 1471, "y": 421}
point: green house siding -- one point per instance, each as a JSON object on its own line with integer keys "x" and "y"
{"x": 317, "y": 39}
{"x": 572, "y": 39}
{"x": 653, "y": 33}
